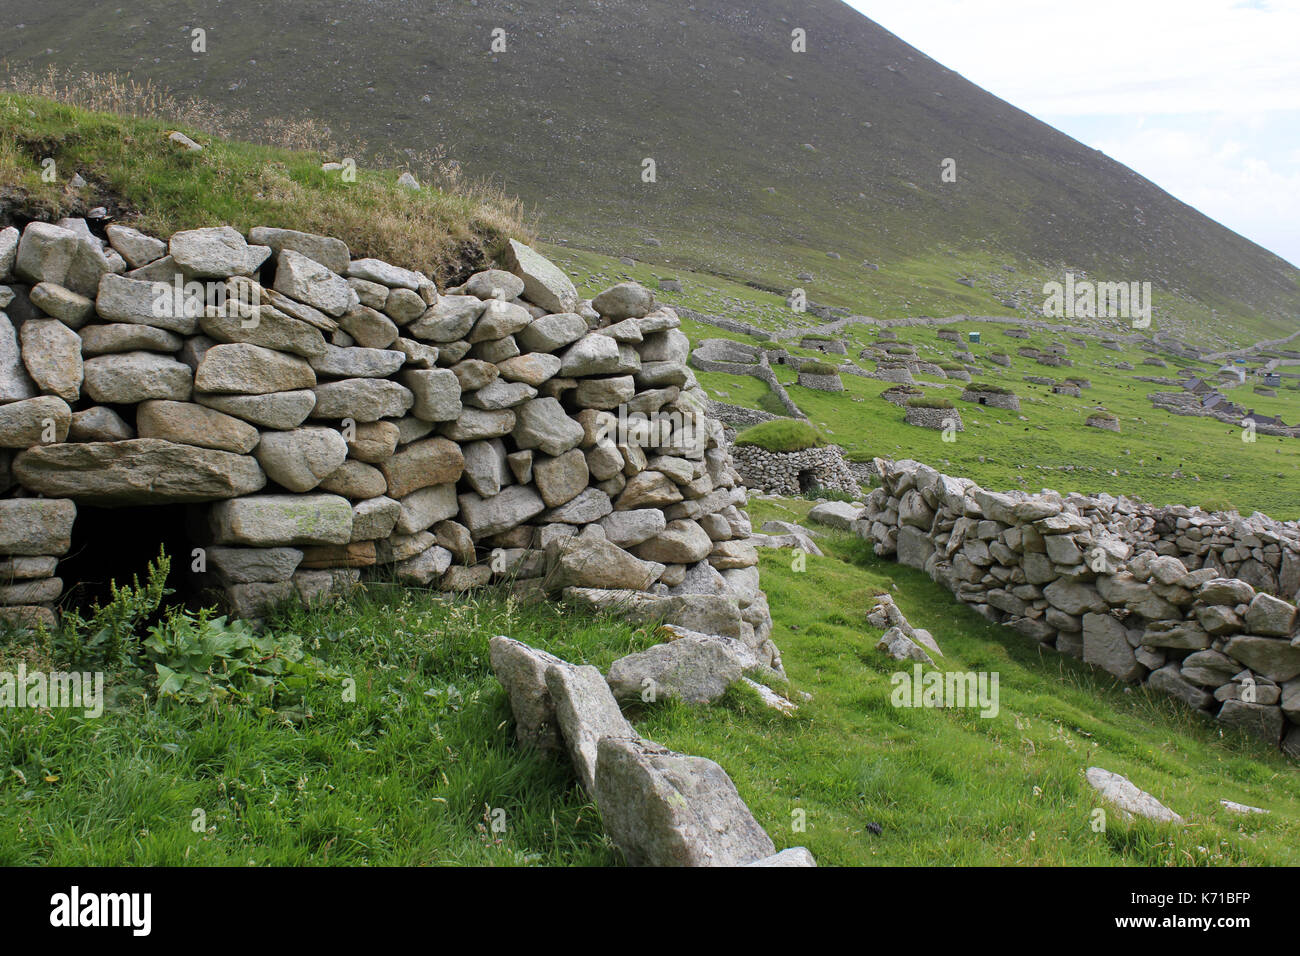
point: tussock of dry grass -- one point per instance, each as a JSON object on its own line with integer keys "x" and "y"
{"x": 112, "y": 130}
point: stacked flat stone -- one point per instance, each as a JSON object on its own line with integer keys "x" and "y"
{"x": 1004, "y": 400}
{"x": 737, "y": 416}
{"x": 778, "y": 473}
{"x": 325, "y": 415}
{"x": 1230, "y": 413}
{"x": 1054, "y": 360}
{"x": 894, "y": 373}
{"x": 1184, "y": 601}
{"x": 937, "y": 419}
{"x": 737, "y": 358}
{"x": 827, "y": 346}
{"x": 1105, "y": 422}
{"x": 821, "y": 383}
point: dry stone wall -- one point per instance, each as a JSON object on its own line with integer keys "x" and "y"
{"x": 324, "y": 416}
{"x": 737, "y": 358}
{"x": 1184, "y": 601}
{"x": 793, "y": 473}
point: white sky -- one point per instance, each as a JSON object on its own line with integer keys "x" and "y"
{"x": 1200, "y": 96}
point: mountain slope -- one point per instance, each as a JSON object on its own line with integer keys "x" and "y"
{"x": 767, "y": 160}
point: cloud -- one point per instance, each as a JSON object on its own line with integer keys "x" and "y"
{"x": 1200, "y": 96}
{"x": 1222, "y": 174}
{"x": 1118, "y": 57}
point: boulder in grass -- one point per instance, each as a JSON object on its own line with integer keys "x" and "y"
{"x": 663, "y": 808}
{"x": 696, "y": 669}
{"x": 522, "y": 672}
{"x": 1127, "y": 799}
{"x": 586, "y": 713}
{"x": 835, "y": 514}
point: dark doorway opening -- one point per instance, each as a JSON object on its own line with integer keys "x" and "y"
{"x": 808, "y": 481}
{"x": 112, "y": 544}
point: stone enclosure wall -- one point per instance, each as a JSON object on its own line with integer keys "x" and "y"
{"x": 793, "y": 473}
{"x": 321, "y": 415}
{"x": 1174, "y": 597}
{"x": 737, "y": 358}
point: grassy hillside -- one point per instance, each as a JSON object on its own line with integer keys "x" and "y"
{"x": 139, "y": 176}
{"x": 404, "y": 753}
{"x": 1164, "y": 458}
{"x": 769, "y": 162}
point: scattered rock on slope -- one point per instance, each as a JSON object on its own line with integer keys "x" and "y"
{"x": 1120, "y": 792}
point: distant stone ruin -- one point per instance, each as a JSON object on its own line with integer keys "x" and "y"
{"x": 794, "y": 473}
{"x": 999, "y": 398}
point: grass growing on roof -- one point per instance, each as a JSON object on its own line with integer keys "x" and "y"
{"x": 781, "y": 435}
{"x": 132, "y": 168}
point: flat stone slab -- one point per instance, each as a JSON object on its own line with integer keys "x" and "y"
{"x": 522, "y": 672}
{"x": 275, "y": 521}
{"x": 697, "y": 669}
{"x": 1120, "y": 793}
{"x": 587, "y": 714}
{"x": 139, "y": 471}
{"x": 836, "y": 514}
{"x": 668, "y": 809}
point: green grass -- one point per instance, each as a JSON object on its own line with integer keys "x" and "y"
{"x": 411, "y": 772}
{"x": 781, "y": 435}
{"x": 132, "y": 168}
{"x": 1161, "y": 457}
{"x": 402, "y": 776}
{"x": 952, "y": 788}
{"x": 818, "y": 368}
